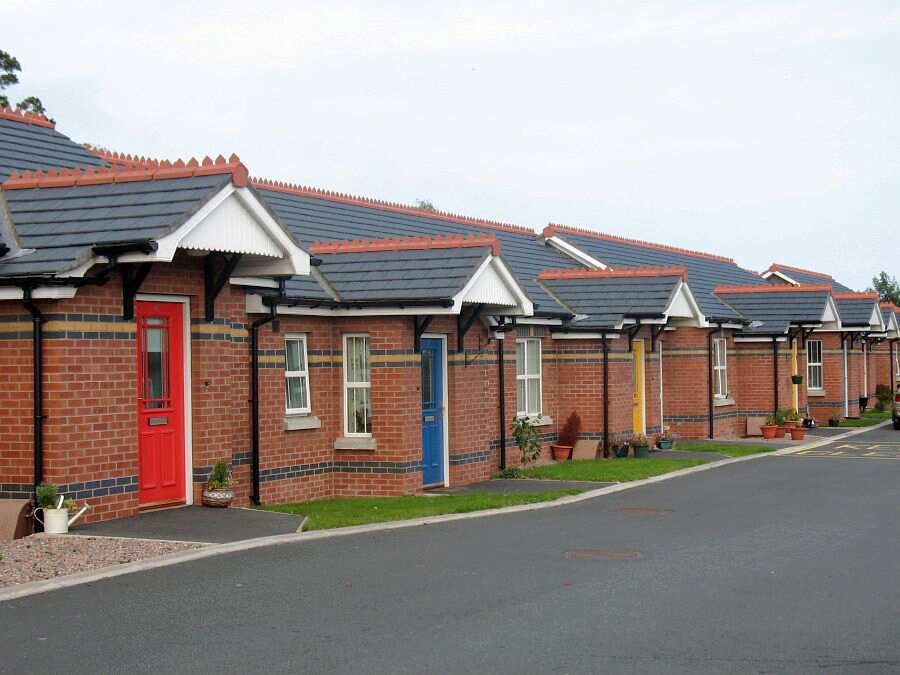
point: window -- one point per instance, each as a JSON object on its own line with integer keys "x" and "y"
{"x": 720, "y": 368}
{"x": 528, "y": 378}
{"x": 296, "y": 375}
{"x": 814, "y": 364}
{"x": 357, "y": 386}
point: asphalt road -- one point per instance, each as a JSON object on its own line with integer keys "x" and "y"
{"x": 778, "y": 565}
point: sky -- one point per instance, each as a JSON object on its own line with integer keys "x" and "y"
{"x": 763, "y": 131}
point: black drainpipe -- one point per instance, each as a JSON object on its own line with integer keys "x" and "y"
{"x": 37, "y": 341}
{"x": 892, "y": 368}
{"x": 254, "y": 401}
{"x": 605, "y": 396}
{"x": 501, "y": 401}
{"x": 775, "y": 377}
{"x": 709, "y": 379}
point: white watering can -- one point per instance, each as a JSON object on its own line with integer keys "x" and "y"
{"x": 57, "y": 521}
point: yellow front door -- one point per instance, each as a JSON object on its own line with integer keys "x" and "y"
{"x": 637, "y": 416}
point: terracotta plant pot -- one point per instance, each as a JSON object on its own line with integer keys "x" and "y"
{"x": 768, "y": 431}
{"x": 221, "y": 498}
{"x": 790, "y": 424}
{"x": 561, "y": 452}
{"x": 780, "y": 431}
{"x": 798, "y": 434}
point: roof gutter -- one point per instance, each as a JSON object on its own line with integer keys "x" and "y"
{"x": 285, "y": 301}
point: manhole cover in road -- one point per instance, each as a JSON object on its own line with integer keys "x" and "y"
{"x": 644, "y": 511}
{"x": 601, "y": 554}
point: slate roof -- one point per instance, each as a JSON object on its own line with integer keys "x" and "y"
{"x": 313, "y": 217}
{"x": 855, "y": 312}
{"x": 704, "y": 271}
{"x": 803, "y": 277}
{"x": 776, "y": 310}
{"x": 607, "y": 300}
{"x": 62, "y": 224}
{"x": 30, "y": 146}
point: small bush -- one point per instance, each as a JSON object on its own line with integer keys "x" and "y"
{"x": 47, "y": 494}
{"x": 571, "y": 429}
{"x": 220, "y": 476}
{"x": 879, "y": 405}
{"x": 528, "y": 440}
{"x": 511, "y": 472}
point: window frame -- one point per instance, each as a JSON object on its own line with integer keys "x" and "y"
{"x": 288, "y": 374}
{"x": 356, "y": 385}
{"x": 720, "y": 368}
{"x": 520, "y": 414}
{"x": 810, "y": 365}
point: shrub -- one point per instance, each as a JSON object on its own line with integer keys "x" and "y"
{"x": 571, "y": 429}
{"x": 511, "y": 472}
{"x": 879, "y": 405}
{"x": 220, "y": 477}
{"x": 46, "y": 495}
{"x": 527, "y": 439}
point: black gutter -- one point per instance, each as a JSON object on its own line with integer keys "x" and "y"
{"x": 501, "y": 400}
{"x": 118, "y": 248}
{"x": 254, "y": 401}
{"x": 775, "y": 376}
{"x": 37, "y": 340}
{"x": 361, "y": 304}
{"x": 605, "y": 395}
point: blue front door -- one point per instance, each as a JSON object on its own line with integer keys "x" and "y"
{"x": 432, "y": 411}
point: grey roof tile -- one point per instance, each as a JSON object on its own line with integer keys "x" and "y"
{"x": 27, "y": 146}
{"x": 855, "y": 313}
{"x": 808, "y": 277}
{"x": 776, "y": 311}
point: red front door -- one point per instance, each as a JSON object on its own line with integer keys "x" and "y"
{"x": 160, "y": 400}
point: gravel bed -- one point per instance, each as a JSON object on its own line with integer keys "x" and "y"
{"x": 45, "y": 556}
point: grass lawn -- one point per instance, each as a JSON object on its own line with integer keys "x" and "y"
{"x": 868, "y": 419}
{"x": 329, "y": 513}
{"x": 610, "y": 470}
{"x": 727, "y": 449}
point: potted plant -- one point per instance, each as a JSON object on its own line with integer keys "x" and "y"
{"x": 796, "y": 379}
{"x": 567, "y": 438}
{"x": 55, "y": 509}
{"x": 527, "y": 439}
{"x": 798, "y": 433}
{"x": 791, "y": 418}
{"x": 620, "y": 450}
{"x": 834, "y": 420}
{"x": 779, "y": 423}
{"x": 640, "y": 444}
{"x": 770, "y": 428}
{"x": 665, "y": 441}
{"x": 219, "y": 490}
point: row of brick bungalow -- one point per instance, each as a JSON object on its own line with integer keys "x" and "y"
{"x": 385, "y": 348}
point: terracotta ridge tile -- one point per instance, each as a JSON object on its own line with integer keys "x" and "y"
{"x": 121, "y": 159}
{"x": 406, "y": 244}
{"x": 769, "y": 288}
{"x": 551, "y": 275}
{"x": 122, "y": 173}
{"x": 26, "y": 118}
{"x": 854, "y": 295}
{"x": 552, "y": 228}
{"x": 889, "y": 305}
{"x": 778, "y": 267}
{"x": 395, "y": 207}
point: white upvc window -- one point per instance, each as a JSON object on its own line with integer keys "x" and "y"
{"x": 529, "y": 384}
{"x": 296, "y": 374}
{"x": 357, "y": 386}
{"x": 720, "y": 368}
{"x": 814, "y": 364}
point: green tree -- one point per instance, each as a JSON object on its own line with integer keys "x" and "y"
{"x": 9, "y": 66}
{"x": 425, "y": 205}
{"x": 887, "y": 287}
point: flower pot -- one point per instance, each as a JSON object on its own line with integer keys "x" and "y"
{"x": 55, "y": 521}
{"x": 834, "y": 423}
{"x": 790, "y": 424}
{"x": 218, "y": 498}
{"x": 798, "y": 434}
{"x": 561, "y": 452}
{"x": 768, "y": 431}
{"x": 641, "y": 450}
{"x": 665, "y": 444}
{"x": 780, "y": 431}
{"x": 796, "y": 379}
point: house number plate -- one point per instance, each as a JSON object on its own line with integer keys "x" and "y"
{"x": 158, "y": 421}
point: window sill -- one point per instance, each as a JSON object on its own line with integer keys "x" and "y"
{"x": 542, "y": 421}
{"x": 815, "y": 392}
{"x": 719, "y": 402}
{"x": 355, "y": 443}
{"x": 297, "y": 422}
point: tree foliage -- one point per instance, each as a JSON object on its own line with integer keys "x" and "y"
{"x": 887, "y": 287}
{"x": 425, "y": 205}
{"x": 9, "y": 67}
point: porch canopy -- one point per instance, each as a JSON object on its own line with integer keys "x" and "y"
{"x": 860, "y": 312}
{"x": 780, "y": 310}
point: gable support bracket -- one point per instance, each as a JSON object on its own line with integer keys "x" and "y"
{"x": 419, "y": 327}
{"x": 634, "y": 330}
{"x": 655, "y": 332}
{"x": 132, "y": 278}
{"x": 212, "y": 283}
{"x": 463, "y": 324}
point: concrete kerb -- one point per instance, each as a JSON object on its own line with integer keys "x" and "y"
{"x": 36, "y": 587}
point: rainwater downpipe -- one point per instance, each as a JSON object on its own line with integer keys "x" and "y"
{"x": 846, "y": 383}
{"x": 709, "y": 379}
{"x": 254, "y": 400}
{"x": 775, "y": 371}
{"x": 501, "y": 397}
{"x": 605, "y": 341}
{"x": 37, "y": 341}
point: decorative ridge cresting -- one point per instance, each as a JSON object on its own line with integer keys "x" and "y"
{"x": 889, "y": 305}
{"x": 26, "y": 118}
{"x": 856, "y": 295}
{"x": 553, "y": 228}
{"x": 559, "y": 274}
{"x": 153, "y": 170}
{"x": 778, "y": 267}
{"x": 407, "y": 244}
{"x": 768, "y": 288}
{"x": 396, "y": 207}
{"x": 121, "y": 159}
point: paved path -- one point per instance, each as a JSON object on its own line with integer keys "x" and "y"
{"x": 776, "y": 565}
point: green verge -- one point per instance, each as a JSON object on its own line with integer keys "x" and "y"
{"x": 727, "y": 449}
{"x": 344, "y": 512}
{"x": 610, "y": 470}
{"x": 869, "y": 419}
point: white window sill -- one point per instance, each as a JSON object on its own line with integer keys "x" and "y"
{"x": 355, "y": 443}
{"x": 719, "y": 402}
{"x": 815, "y": 392}
{"x": 296, "y": 422}
{"x": 540, "y": 421}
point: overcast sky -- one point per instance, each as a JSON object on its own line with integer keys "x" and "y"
{"x": 764, "y": 131}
